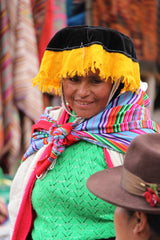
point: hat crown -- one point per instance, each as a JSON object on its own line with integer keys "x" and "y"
{"x": 143, "y": 157}
{"x": 79, "y": 36}
{"x": 80, "y": 49}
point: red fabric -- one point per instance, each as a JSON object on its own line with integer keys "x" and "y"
{"x": 41, "y": 124}
{"x": 47, "y": 30}
{"x": 25, "y": 223}
{"x": 44, "y": 161}
{"x": 107, "y": 158}
{"x": 42, "y": 164}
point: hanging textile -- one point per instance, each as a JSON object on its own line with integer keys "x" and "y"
{"x": 20, "y": 104}
{"x": 49, "y": 17}
{"x": 138, "y": 20}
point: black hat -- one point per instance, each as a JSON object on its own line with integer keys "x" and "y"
{"x": 78, "y": 49}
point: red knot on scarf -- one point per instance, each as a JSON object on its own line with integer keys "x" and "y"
{"x": 58, "y": 138}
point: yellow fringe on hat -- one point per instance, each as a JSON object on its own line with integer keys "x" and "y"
{"x": 58, "y": 64}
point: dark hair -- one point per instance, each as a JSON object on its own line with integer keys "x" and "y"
{"x": 121, "y": 86}
{"x": 153, "y": 221}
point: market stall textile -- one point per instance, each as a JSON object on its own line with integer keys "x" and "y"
{"x": 20, "y": 103}
{"x": 138, "y": 20}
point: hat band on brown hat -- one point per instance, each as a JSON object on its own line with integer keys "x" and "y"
{"x": 137, "y": 186}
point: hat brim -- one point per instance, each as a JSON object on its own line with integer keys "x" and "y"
{"x": 106, "y": 185}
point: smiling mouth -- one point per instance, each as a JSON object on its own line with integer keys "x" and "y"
{"x": 83, "y": 103}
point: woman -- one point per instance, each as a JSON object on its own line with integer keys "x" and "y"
{"x": 96, "y": 71}
{"x": 134, "y": 189}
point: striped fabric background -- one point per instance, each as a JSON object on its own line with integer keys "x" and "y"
{"x": 20, "y": 103}
{"x": 26, "y": 26}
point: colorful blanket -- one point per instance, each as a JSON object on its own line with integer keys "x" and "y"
{"x": 115, "y": 127}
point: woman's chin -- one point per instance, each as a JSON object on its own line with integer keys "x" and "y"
{"x": 84, "y": 114}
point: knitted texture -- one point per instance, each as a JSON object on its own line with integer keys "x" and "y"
{"x": 65, "y": 208}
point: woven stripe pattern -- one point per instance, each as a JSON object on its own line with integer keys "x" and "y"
{"x": 115, "y": 127}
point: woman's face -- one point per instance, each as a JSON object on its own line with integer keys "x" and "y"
{"x": 124, "y": 224}
{"x": 87, "y": 96}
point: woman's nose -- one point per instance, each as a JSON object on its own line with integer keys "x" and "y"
{"x": 83, "y": 90}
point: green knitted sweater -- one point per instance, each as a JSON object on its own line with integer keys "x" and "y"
{"x": 64, "y": 207}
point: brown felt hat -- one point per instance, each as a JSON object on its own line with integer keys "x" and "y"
{"x": 125, "y": 186}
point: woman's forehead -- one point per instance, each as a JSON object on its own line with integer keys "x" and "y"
{"x": 87, "y": 74}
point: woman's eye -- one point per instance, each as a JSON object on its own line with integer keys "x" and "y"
{"x": 74, "y": 79}
{"x": 95, "y": 80}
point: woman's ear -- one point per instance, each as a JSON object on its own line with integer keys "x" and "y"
{"x": 141, "y": 226}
